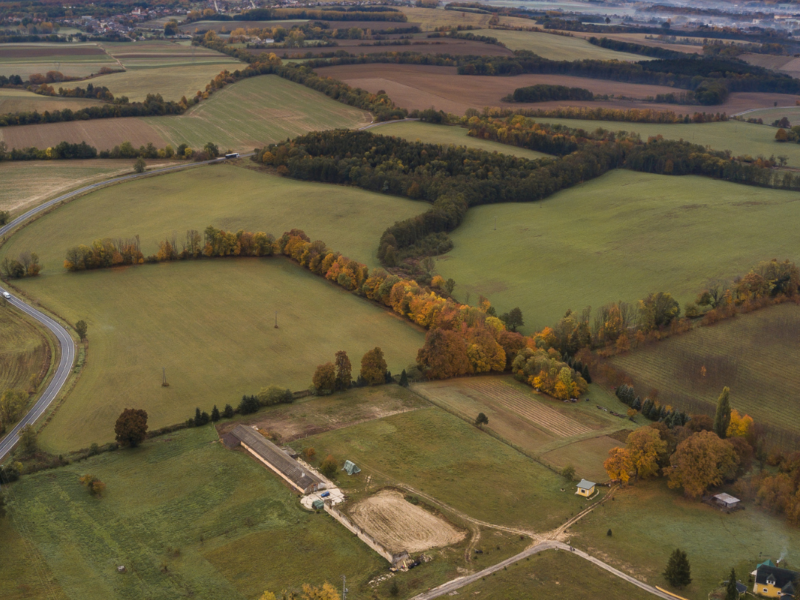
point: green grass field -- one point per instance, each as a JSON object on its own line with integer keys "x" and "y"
{"x": 742, "y": 139}
{"x": 557, "y": 47}
{"x": 221, "y": 524}
{"x": 16, "y": 101}
{"x": 171, "y": 82}
{"x": 255, "y": 112}
{"x": 618, "y": 237}
{"x": 210, "y": 324}
{"x": 248, "y": 114}
{"x": 445, "y": 136}
{"x": 648, "y": 521}
{"x": 441, "y": 455}
{"x": 772, "y": 114}
{"x": 553, "y": 575}
{"x": 348, "y": 219}
{"x": 760, "y": 384}
{"x": 25, "y": 350}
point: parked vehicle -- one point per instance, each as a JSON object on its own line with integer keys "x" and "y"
{"x": 6, "y": 295}
{"x": 324, "y": 494}
{"x": 232, "y": 155}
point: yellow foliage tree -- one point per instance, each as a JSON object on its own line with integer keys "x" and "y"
{"x": 740, "y": 425}
{"x": 619, "y": 464}
{"x": 646, "y": 447}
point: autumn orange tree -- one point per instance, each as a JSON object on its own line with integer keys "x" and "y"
{"x": 701, "y": 461}
{"x": 131, "y": 427}
{"x": 324, "y": 379}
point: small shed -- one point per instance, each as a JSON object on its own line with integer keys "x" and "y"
{"x": 726, "y": 501}
{"x": 585, "y": 488}
{"x": 351, "y": 467}
{"x": 318, "y": 504}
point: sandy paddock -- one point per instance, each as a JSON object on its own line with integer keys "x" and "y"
{"x": 400, "y": 525}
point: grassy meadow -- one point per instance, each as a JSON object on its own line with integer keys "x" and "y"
{"x": 248, "y": 114}
{"x": 618, "y": 237}
{"x": 211, "y": 325}
{"x": 648, "y": 521}
{"x": 73, "y": 60}
{"x": 442, "y": 455}
{"x": 553, "y": 575}
{"x": 445, "y": 135}
{"x": 691, "y": 370}
{"x": 742, "y": 139}
{"x": 348, "y": 219}
{"x": 557, "y": 47}
{"x": 164, "y": 53}
{"x": 185, "y": 516}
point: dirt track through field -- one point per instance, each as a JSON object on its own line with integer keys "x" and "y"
{"x": 534, "y": 411}
{"x": 400, "y": 525}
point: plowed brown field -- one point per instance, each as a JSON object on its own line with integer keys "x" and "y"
{"x": 103, "y": 134}
{"x": 423, "y": 86}
{"x": 400, "y": 525}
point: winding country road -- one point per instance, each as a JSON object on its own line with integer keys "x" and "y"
{"x": 63, "y": 337}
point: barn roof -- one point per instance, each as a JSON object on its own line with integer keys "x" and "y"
{"x": 585, "y": 484}
{"x": 726, "y": 498}
{"x": 275, "y": 456}
{"x": 781, "y": 578}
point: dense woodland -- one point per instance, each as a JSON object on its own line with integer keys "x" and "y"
{"x": 544, "y": 93}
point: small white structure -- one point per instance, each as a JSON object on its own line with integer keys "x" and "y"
{"x": 726, "y": 501}
{"x": 585, "y": 488}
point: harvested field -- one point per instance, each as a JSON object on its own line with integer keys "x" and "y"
{"x": 16, "y": 101}
{"x": 691, "y": 370}
{"x": 159, "y": 53}
{"x": 641, "y": 38}
{"x": 556, "y": 47}
{"x": 103, "y": 134}
{"x": 430, "y": 18}
{"x": 171, "y": 82}
{"x": 422, "y": 86}
{"x": 435, "y": 46}
{"x": 399, "y": 525}
{"x": 231, "y": 25}
{"x": 782, "y": 64}
{"x": 25, "y": 350}
{"x": 248, "y": 114}
{"x": 28, "y": 183}
{"x": 373, "y": 25}
{"x": 23, "y": 52}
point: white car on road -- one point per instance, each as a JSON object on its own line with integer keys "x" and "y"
{"x": 6, "y": 295}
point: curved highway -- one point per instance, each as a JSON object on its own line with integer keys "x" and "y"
{"x": 63, "y": 337}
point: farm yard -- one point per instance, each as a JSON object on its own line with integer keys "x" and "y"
{"x": 73, "y": 60}
{"x": 556, "y": 47}
{"x": 453, "y": 462}
{"x": 248, "y": 114}
{"x": 446, "y": 135}
{"x": 742, "y": 139}
{"x": 670, "y": 224}
{"x": 691, "y": 370}
{"x": 648, "y": 521}
{"x": 424, "y": 86}
{"x": 199, "y": 532}
{"x": 348, "y": 219}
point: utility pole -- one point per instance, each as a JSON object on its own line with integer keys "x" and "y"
{"x": 164, "y": 379}
{"x": 344, "y": 587}
{"x": 495, "y": 223}
{"x": 276, "y": 319}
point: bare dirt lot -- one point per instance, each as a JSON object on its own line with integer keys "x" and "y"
{"x": 423, "y": 86}
{"x": 400, "y": 525}
{"x": 435, "y": 46}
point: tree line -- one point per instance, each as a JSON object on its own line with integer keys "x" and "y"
{"x": 631, "y": 115}
{"x": 25, "y": 265}
{"x": 633, "y": 48}
{"x": 710, "y": 78}
{"x": 67, "y": 151}
{"x": 275, "y": 14}
{"x": 544, "y": 93}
